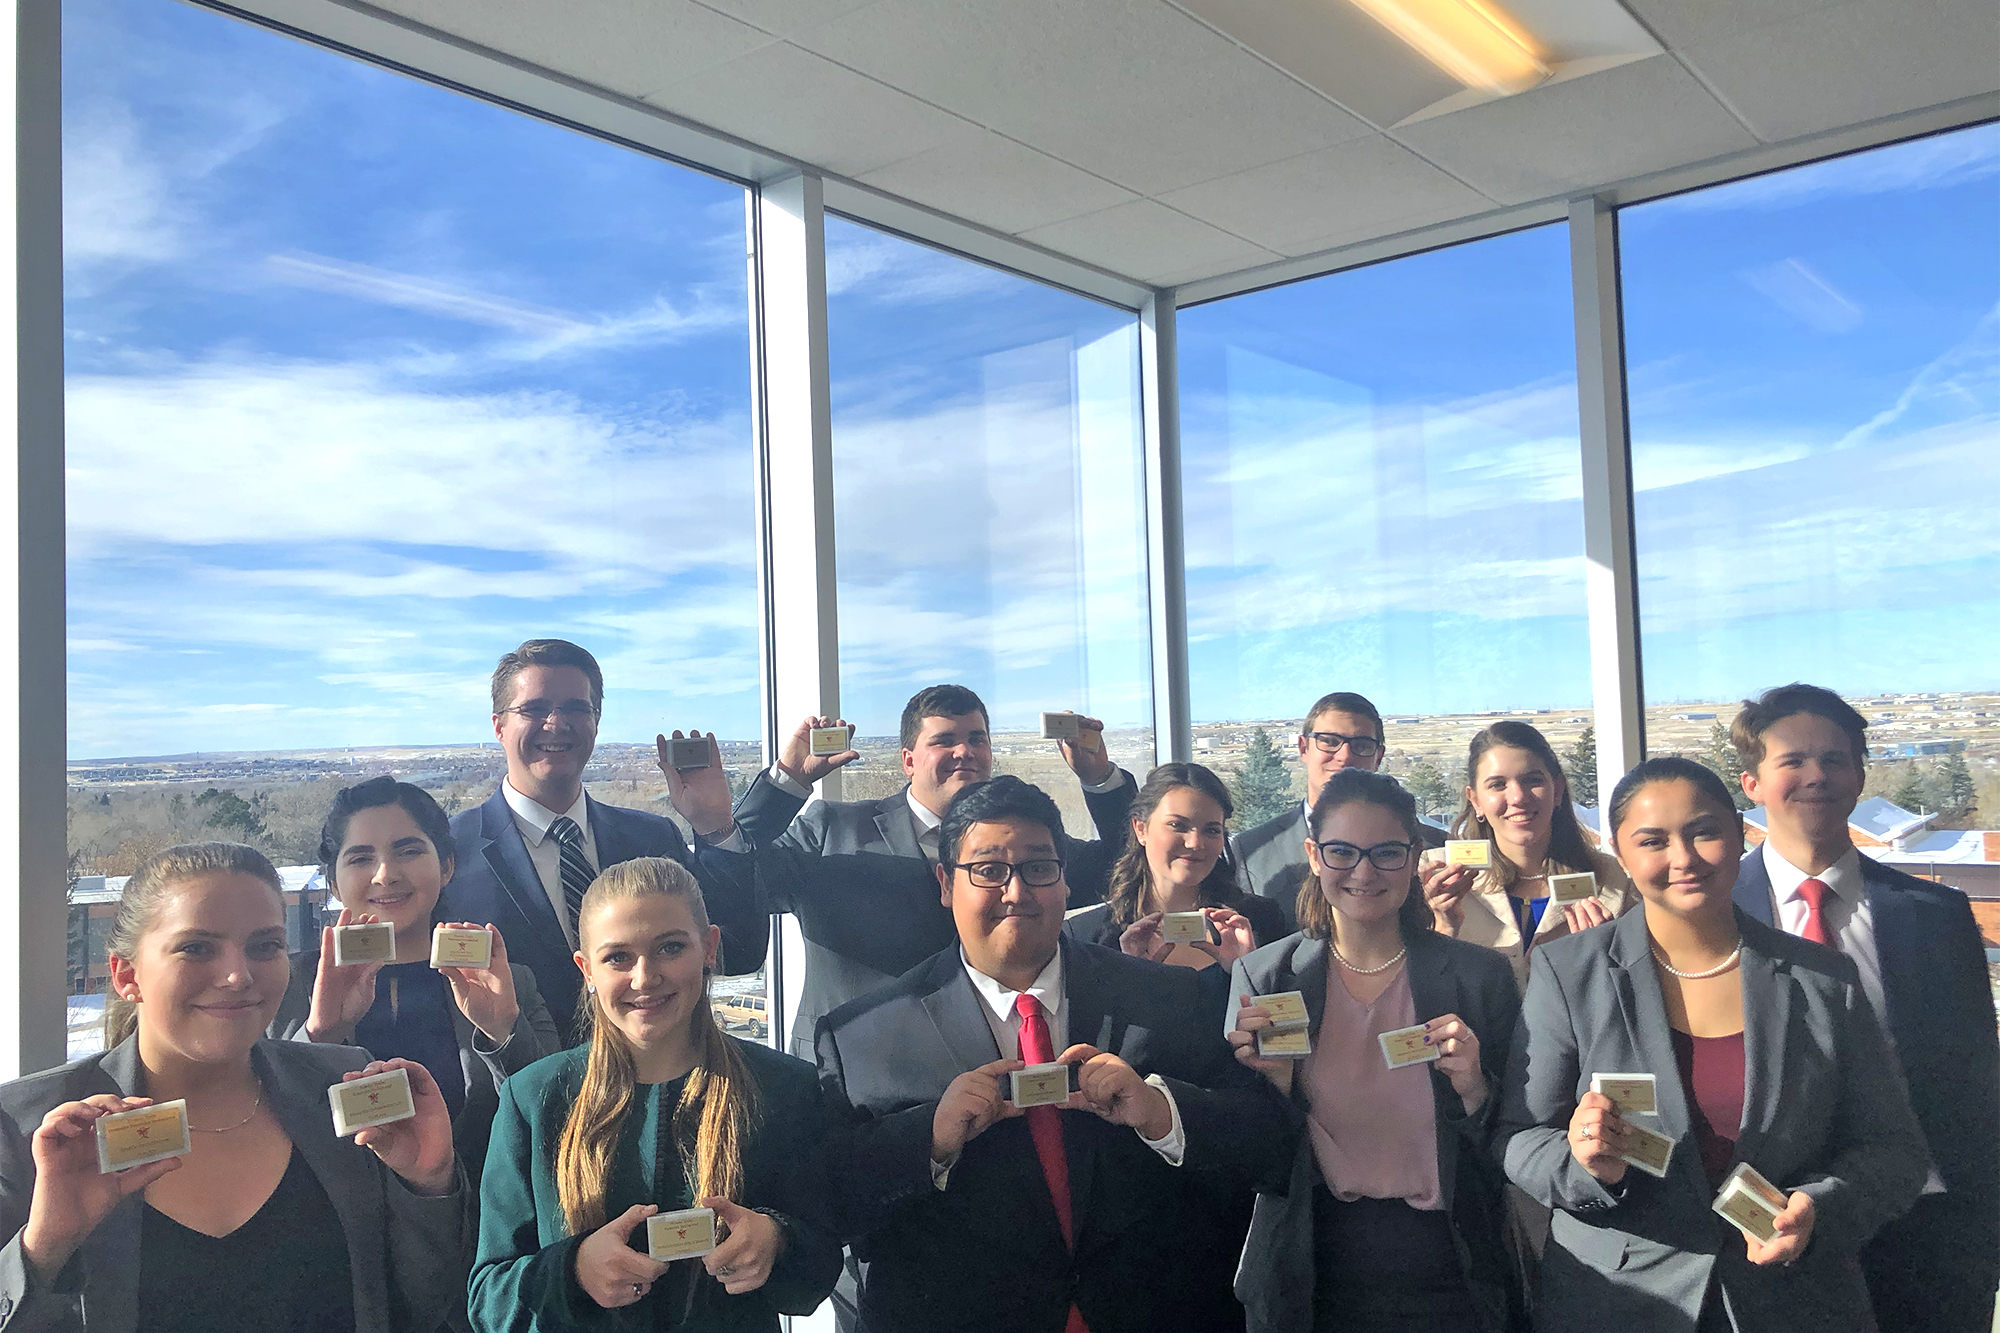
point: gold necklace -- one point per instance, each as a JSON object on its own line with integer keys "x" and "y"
{"x": 239, "y": 1124}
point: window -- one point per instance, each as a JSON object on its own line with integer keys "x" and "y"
{"x": 1815, "y": 385}
{"x": 368, "y": 382}
{"x": 1383, "y": 494}
{"x": 989, "y": 512}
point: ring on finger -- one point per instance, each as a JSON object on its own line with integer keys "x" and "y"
{"x": 725, "y": 1271}
{"x": 1585, "y": 1133}
{"x": 638, "y": 1290}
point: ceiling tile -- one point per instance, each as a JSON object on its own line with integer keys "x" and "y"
{"x": 1366, "y": 186}
{"x": 783, "y": 18}
{"x": 1146, "y": 240}
{"x": 1852, "y": 64}
{"x": 1681, "y": 23}
{"x": 998, "y": 183}
{"x": 797, "y": 104}
{"x": 1131, "y": 90}
{"x": 1630, "y": 121}
{"x": 614, "y": 44}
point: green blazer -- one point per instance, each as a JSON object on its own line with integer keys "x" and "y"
{"x": 524, "y": 1276}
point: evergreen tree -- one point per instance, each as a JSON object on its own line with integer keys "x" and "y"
{"x": 1581, "y": 765}
{"x": 1429, "y": 785}
{"x": 1913, "y": 792}
{"x": 1952, "y": 791}
{"x": 1260, "y": 786}
{"x": 1721, "y": 759}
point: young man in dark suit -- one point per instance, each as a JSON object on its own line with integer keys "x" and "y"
{"x": 972, "y": 1213}
{"x": 1924, "y": 968}
{"x": 528, "y": 852}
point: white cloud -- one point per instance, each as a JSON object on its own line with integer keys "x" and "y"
{"x": 1807, "y": 296}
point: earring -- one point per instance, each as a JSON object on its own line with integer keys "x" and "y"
{"x": 591, "y": 989}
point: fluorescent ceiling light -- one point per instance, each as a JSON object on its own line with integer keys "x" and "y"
{"x": 1473, "y": 41}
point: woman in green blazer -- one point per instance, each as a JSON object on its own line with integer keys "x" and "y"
{"x": 657, "y": 1112}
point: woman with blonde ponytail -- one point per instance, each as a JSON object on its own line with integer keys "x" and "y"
{"x": 657, "y": 1111}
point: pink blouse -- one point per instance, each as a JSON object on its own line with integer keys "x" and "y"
{"x": 1373, "y": 1129}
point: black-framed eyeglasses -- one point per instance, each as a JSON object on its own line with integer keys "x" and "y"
{"x": 575, "y": 710}
{"x": 1383, "y": 855}
{"x": 1361, "y": 747}
{"x": 1036, "y": 874}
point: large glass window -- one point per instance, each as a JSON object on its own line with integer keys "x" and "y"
{"x": 1383, "y": 494}
{"x": 367, "y": 382}
{"x": 1815, "y": 403}
{"x": 989, "y": 513}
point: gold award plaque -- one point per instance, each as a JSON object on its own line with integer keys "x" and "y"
{"x": 1474, "y": 852}
{"x": 687, "y": 1234}
{"x": 149, "y": 1134}
{"x": 380, "y": 1099}
{"x": 1406, "y": 1046}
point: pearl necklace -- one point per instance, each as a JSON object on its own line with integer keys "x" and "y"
{"x": 1367, "y": 971}
{"x": 1715, "y": 971}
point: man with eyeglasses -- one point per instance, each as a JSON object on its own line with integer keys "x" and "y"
{"x": 1102, "y": 1211}
{"x": 1343, "y": 730}
{"x": 528, "y": 852}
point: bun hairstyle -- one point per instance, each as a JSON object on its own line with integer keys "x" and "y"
{"x": 1358, "y": 786}
{"x": 139, "y": 905}
{"x": 1132, "y": 876}
{"x": 718, "y": 1107}
{"x": 1569, "y": 850}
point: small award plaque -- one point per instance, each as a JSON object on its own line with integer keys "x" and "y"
{"x": 1751, "y": 1203}
{"x": 1287, "y": 1009}
{"x": 456, "y": 946}
{"x": 1184, "y": 928}
{"x": 830, "y": 740}
{"x": 1632, "y": 1094}
{"x": 1060, "y": 727}
{"x": 1292, "y": 1045}
{"x": 1406, "y": 1046}
{"x": 379, "y": 1099}
{"x": 374, "y": 942}
{"x": 1651, "y": 1151}
{"x": 1572, "y": 888}
{"x": 1040, "y": 1085}
{"x": 1474, "y": 852}
{"x": 149, "y": 1134}
{"x": 687, "y": 1234}
{"x": 689, "y": 753}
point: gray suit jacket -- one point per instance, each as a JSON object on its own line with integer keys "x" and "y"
{"x": 1447, "y": 976}
{"x": 409, "y": 1254}
{"x": 1273, "y": 857}
{"x": 534, "y": 1036}
{"x": 1823, "y": 1112}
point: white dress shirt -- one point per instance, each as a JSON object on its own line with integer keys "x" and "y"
{"x": 924, "y": 821}
{"x": 997, "y": 1005}
{"x": 533, "y": 819}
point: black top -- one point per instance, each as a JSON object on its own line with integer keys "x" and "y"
{"x": 285, "y": 1268}
{"x": 411, "y": 1018}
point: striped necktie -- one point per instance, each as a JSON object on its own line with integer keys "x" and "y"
{"x": 576, "y": 871}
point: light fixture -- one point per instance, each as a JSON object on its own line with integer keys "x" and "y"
{"x": 1473, "y": 41}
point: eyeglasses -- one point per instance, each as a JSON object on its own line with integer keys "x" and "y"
{"x": 1361, "y": 747}
{"x": 574, "y": 711}
{"x": 1383, "y": 855}
{"x": 995, "y": 874}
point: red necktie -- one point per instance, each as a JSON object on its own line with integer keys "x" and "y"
{"x": 1045, "y": 1124}
{"x": 1814, "y": 926}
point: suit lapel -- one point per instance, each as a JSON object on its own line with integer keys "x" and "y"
{"x": 609, "y": 831}
{"x": 1753, "y": 888}
{"x": 507, "y": 856}
{"x": 1433, "y": 996}
{"x": 1091, "y": 1022}
{"x": 1767, "y": 1023}
{"x": 1644, "y": 1009}
{"x": 896, "y": 825}
{"x": 113, "y": 1249}
{"x": 959, "y": 1016}
{"x": 1898, "y": 948}
{"x": 1309, "y": 968}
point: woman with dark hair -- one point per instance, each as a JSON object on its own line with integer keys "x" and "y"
{"x": 1762, "y": 1050}
{"x": 1517, "y": 800}
{"x": 386, "y": 850}
{"x": 1178, "y": 860}
{"x": 1393, "y": 1218}
{"x": 658, "y": 1111}
{"x": 270, "y": 1220}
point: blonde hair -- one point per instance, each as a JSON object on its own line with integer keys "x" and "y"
{"x": 140, "y": 903}
{"x": 718, "y": 1107}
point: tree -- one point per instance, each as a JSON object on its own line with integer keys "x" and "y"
{"x": 231, "y": 813}
{"x": 1913, "y": 794}
{"x": 1581, "y": 763}
{"x": 1429, "y": 785}
{"x": 1260, "y": 786}
{"x": 1721, "y": 759}
{"x": 1952, "y": 788}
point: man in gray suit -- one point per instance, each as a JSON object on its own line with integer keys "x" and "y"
{"x": 1343, "y": 730}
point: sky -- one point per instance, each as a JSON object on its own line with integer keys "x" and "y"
{"x": 368, "y": 381}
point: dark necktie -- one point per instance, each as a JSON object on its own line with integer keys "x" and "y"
{"x": 576, "y": 871}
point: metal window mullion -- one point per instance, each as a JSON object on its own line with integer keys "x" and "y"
{"x": 1611, "y": 585}
{"x": 1166, "y": 559}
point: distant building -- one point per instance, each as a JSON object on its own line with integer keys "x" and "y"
{"x": 1912, "y": 749}
{"x": 1966, "y": 859}
{"x": 93, "y": 903}
{"x": 1692, "y": 717}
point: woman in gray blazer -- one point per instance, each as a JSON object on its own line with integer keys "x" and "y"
{"x": 387, "y": 851}
{"x": 1763, "y": 1051}
{"x": 269, "y": 1220}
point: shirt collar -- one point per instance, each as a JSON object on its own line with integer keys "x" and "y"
{"x": 538, "y": 816}
{"x": 1047, "y": 987}
{"x": 1842, "y": 878}
{"x": 926, "y": 821}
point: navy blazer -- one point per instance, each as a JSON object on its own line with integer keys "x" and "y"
{"x": 1823, "y": 1113}
{"x": 986, "y": 1252}
{"x": 495, "y": 883}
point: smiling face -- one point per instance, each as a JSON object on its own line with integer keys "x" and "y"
{"x": 546, "y": 755}
{"x": 1809, "y": 780}
{"x": 210, "y": 969}
{"x": 949, "y": 755}
{"x": 1365, "y": 894}
{"x": 1011, "y": 931}
{"x": 1514, "y": 792}
{"x": 1319, "y": 764}
{"x": 1183, "y": 840}
{"x": 1679, "y": 848}
{"x": 648, "y": 960}
{"x": 387, "y": 866}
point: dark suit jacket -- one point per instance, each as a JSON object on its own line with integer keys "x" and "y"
{"x": 1274, "y": 862}
{"x": 1941, "y": 1017}
{"x": 987, "y": 1251}
{"x": 482, "y": 1070}
{"x": 495, "y": 883}
{"x": 1447, "y": 976}
{"x": 524, "y": 1279}
{"x": 865, "y": 897}
{"x": 409, "y": 1254}
{"x": 1823, "y": 1112}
